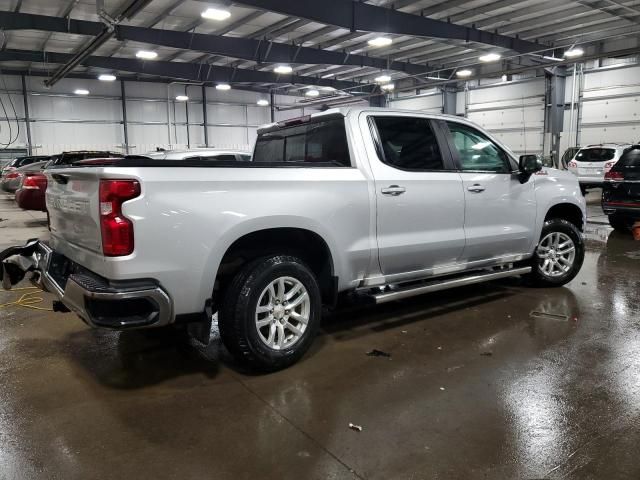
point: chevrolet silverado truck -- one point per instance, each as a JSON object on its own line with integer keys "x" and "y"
{"x": 376, "y": 203}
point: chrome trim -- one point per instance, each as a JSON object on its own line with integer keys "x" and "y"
{"x": 73, "y": 295}
{"x": 446, "y": 284}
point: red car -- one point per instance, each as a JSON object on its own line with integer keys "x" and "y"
{"x": 30, "y": 195}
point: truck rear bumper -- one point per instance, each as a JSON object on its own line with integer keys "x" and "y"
{"x": 99, "y": 302}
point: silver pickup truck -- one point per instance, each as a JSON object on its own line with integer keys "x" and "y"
{"x": 384, "y": 204}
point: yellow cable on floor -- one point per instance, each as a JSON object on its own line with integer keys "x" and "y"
{"x": 27, "y": 300}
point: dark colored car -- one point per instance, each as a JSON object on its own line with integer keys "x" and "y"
{"x": 70, "y": 158}
{"x": 22, "y": 162}
{"x": 621, "y": 190}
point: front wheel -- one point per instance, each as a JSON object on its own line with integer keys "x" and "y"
{"x": 558, "y": 256}
{"x": 270, "y": 313}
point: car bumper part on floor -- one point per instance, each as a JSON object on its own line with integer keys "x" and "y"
{"x": 97, "y": 301}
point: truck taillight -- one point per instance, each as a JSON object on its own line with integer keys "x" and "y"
{"x": 117, "y": 230}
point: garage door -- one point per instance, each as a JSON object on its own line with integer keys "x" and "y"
{"x": 513, "y": 113}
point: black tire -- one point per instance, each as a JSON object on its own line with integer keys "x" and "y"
{"x": 620, "y": 223}
{"x": 237, "y": 315}
{"x": 539, "y": 278}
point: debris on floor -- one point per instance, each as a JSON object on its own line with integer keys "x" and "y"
{"x": 378, "y": 353}
{"x": 357, "y": 428}
{"x": 454, "y": 368}
{"x": 548, "y": 316}
{"x": 486, "y": 354}
{"x": 442, "y": 388}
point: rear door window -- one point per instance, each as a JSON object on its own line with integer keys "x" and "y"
{"x": 595, "y": 155}
{"x": 318, "y": 144}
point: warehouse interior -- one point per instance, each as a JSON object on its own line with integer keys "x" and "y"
{"x": 494, "y": 380}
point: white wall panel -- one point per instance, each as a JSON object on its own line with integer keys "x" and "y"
{"x": 229, "y": 137}
{"x": 513, "y": 112}
{"x": 57, "y": 137}
{"x": 226, "y": 114}
{"x": 427, "y": 103}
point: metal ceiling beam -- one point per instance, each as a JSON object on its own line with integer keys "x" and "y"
{"x": 365, "y": 17}
{"x": 198, "y": 72}
{"x": 243, "y": 48}
{"x": 126, "y": 11}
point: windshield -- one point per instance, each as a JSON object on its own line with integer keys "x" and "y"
{"x": 595, "y": 155}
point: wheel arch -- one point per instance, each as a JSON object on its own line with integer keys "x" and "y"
{"x": 305, "y": 243}
{"x": 567, "y": 211}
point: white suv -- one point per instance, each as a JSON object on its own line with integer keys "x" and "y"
{"x": 592, "y": 162}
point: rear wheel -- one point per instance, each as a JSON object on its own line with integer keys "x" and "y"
{"x": 558, "y": 256}
{"x": 620, "y": 223}
{"x": 270, "y": 313}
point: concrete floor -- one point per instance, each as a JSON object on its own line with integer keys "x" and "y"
{"x": 490, "y": 382}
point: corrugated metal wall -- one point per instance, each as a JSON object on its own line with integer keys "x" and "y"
{"x": 61, "y": 120}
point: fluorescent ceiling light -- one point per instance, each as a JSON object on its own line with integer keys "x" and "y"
{"x": 107, "y": 77}
{"x": 490, "y": 57}
{"x": 263, "y": 103}
{"x": 328, "y": 75}
{"x": 312, "y": 93}
{"x": 328, "y": 89}
{"x": 223, "y": 86}
{"x": 380, "y": 42}
{"x": 182, "y": 98}
{"x": 388, "y": 87}
{"x": 383, "y": 79}
{"x": 574, "y": 52}
{"x": 283, "y": 69}
{"x": 146, "y": 54}
{"x": 81, "y": 91}
{"x": 215, "y": 14}
{"x": 464, "y": 73}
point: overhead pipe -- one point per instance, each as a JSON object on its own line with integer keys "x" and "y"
{"x": 127, "y": 12}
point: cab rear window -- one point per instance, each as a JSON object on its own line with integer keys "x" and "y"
{"x": 595, "y": 155}
{"x": 318, "y": 144}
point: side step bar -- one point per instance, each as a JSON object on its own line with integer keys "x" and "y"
{"x": 436, "y": 286}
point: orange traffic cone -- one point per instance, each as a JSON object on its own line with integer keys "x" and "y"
{"x": 636, "y": 231}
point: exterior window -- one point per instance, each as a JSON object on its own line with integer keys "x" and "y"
{"x": 477, "y": 152}
{"x": 322, "y": 144}
{"x": 408, "y": 143}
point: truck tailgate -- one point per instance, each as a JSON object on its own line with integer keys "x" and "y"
{"x": 73, "y": 205}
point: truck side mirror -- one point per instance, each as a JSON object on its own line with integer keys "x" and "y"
{"x": 529, "y": 164}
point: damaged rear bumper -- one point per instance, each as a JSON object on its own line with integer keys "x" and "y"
{"x": 99, "y": 302}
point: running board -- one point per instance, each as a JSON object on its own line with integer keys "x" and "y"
{"x": 436, "y": 286}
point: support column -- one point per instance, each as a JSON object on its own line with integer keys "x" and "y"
{"x": 204, "y": 116}
{"x": 554, "y": 115}
{"x": 27, "y": 120}
{"x": 272, "y": 100}
{"x": 125, "y": 127}
{"x": 449, "y": 101}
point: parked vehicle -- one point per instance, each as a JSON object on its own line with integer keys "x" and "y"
{"x": 215, "y": 154}
{"x": 12, "y": 179}
{"x": 591, "y": 163}
{"x": 21, "y": 162}
{"x": 567, "y": 156}
{"x": 621, "y": 191}
{"x": 69, "y": 158}
{"x": 383, "y": 204}
{"x": 31, "y": 193}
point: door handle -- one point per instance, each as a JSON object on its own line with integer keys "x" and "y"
{"x": 393, "y": 190}
{"x": 477, "y": 188}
